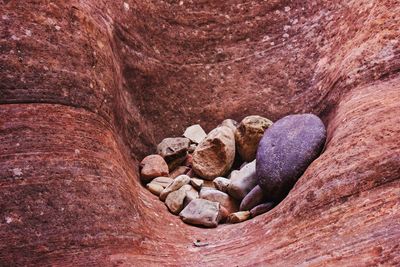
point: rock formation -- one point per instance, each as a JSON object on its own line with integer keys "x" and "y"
{"x": 88, "y": 88}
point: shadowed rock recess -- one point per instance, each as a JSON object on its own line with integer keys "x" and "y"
{"x": 88, "y": 88}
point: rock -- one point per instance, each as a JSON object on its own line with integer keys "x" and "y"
{"x": 201, "y": 212}
{"x": 174, "y": 201}
{"x": 238, "y": 217}
{"x": 179, "y": 171}
{"x": 243, "y": 181}
{"x": 222, "y": 198}
{"x": 260, "y": 209}
{"x": 231, "y": 124}
{"x": 151, "y": 167}
{"x": 221, "y": 184}
{"x": 255, "y": 197}
{"x": 196, "y": 183}
{"x": 214, "y": 156}
{"x": 163, "y": 181}
{"x": 173, "y": 150}
{"x": 154, "y": 188}
{"x": 192, "y": 148}
{"x": 191, "y": 173}
{"x": 223, "y": 214}
{"x": 286, "y": 150}
{"x": 188, "y": 161}
{"x": 175, "y": 185}
{"x": 195, "y": 133}
{"x": 208, "y": 184}
{"x": 191, "y": 193}
{"x": 248, "y": 135}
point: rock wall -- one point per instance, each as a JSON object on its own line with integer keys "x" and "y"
{"x": 87, "y": 88}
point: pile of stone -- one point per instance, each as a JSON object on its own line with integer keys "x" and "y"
{"x": 197, "y": 178}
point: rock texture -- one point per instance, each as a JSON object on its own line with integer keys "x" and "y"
{"x": 215, "y": 155}
{"x": 152, "y": 166}
{"x": 88, "y": 88}
{"x": 243, "y": 181}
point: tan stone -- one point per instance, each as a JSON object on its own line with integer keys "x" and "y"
{"x": 175, "y": 185}
{"x": 239, "y": 216}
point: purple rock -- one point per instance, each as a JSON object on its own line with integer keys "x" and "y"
{"x": 260, "y": 209}
{"x": 253, "y": 198}
{"x": 286, "y": 150}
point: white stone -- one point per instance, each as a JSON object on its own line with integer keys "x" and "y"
{"x": 195, "y": 133}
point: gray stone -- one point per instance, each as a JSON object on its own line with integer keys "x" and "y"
{"x": 175, "y": 185}
{"x": 191, "y": 193}
{"x": 286, "y": 150}
{"x": 195, "y": 133}
{"x": 253, "y": 198}
{"x": 201, "y": 212}
{"x": 173, "y": 150}
{"x": 222, "y": 198}
{"x": 260, "y": 209}
{"x": 221, "y": 184}
{"x": 248, "y": 134}
{"x": 214, "y": 156}
{"x": 243, "y": 181}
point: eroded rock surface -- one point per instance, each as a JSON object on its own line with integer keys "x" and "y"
{"x": 88, "y": 88}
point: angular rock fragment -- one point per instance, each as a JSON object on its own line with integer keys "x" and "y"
{"x": 286, "y": 150}
{"x": 175, "y": 185}
{"x": 195, "y": 133}
{"x": 243, "y": 181}
{"x": 221, "y": 184}
{"x": 260, "y": 209}
{"x": 163, "y": 181}
{"x": 179, "y": 171}
{"x": 197, "y": 183}
{"x": 201, "y": 212}
{"x": 214, "y": 156}
{"x": 253, "y": 198}
{"x": 174, "y": 201}
{"x": 191, "y": 193}
{"x": 222, "y": 198}
{"x": 238, "y": 217}
{"x": 248, "y": 134}
{"x": 173, "y": 150}
{"x": 151, "y": 167}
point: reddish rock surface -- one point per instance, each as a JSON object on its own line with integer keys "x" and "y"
{"x": 88, "y": 88}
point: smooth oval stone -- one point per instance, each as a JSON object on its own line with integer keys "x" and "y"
{"x": 286, "y": 150}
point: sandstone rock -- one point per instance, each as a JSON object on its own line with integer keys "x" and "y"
{"x": 286, "y": 150}
{"x": 238, "y": 217}
{"x": 214, "y": 156}
{"x": 253, "y": 198}
{"x": 208, "y": 184}
{"x": 191, "y": 193}
{"x": 231, "y": 124}
{"x": 221, "y": 184}
{"x": 222, "y": 198}
{"x": 163, "y": 181}
{"x": 248, "y": 134}
{"x": 174, "y": 201}
{"x": 179, "y": 171}
{"x": 197, "y": 183}
{"x": 175, "y": 185}
{"x": 154, "y": 188}
{"x": 260, "y": 209}
{"x": 192, "y": 148}
{"x": 152, "y": 166}
{"x": 195, "y": 133}
{"x": 223, "y": 214}
{"x": 188, "y": 161}
{"x": 243, "y": 181}
{"x": 201, "y": 212}
{"x": 173, "y": 150}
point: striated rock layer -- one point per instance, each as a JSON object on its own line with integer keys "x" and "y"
{"x": 88, "y": 88}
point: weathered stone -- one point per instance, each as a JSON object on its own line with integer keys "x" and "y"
{"x": 174, "y": 201}
{"x": 238, "y": 217}
{"x": 222, "y": 198}
{"x": 223, "y": 214}
{"x": 179, "y": 171}
{"x": 154, "y": 188}
{"x": 208, "y": 184}
{"x": 253, "y": 198}
{"x": 248, "y": 134}
{"x": 260, "y": 209}
{"x": 286, "y": 150}
{"x": 243, "y": 181}
{"x": 192, "y": 148}
{"x": 188, "y": 161}
{"x": 195, "y": 133}
{"x": 191, "y": 193}
{"x": 221, "y": 184}
{"x": 197, "y": 183}
{"x": 201, "y": 212}
{"x": 152, "y": 166}
{"x": 231, "y": 124}
{"x": 173, "y": 150}
{"x": 163, "y": 181}
{"x": 175, "y": 185}
{"x": 214, "y": 156}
